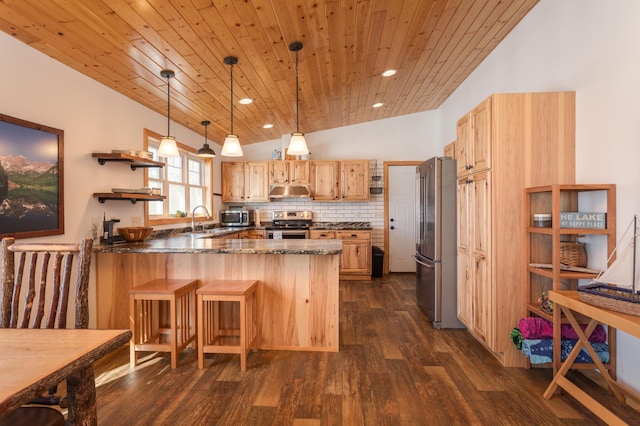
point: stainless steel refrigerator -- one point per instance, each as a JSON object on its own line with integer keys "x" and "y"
{"x": 436, "y": 266}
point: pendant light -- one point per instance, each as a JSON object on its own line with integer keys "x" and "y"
{"x": 297, "y": 144}
{"x": 205, "y": 151}
{"x": 231, "y": 146}
{"x": 168, "y": 147}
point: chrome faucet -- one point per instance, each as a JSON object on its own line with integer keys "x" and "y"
{"x": 193, "y": 216}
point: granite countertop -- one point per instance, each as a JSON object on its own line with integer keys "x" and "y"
{"x": 340, "y": 226}
{"x": 209, "y": 243}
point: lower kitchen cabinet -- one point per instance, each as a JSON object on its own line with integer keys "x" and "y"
{"x": 355, "y": 260}
{"x": 256, "y": 234}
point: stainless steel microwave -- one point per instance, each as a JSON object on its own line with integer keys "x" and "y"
{"x": 237, "y": 217}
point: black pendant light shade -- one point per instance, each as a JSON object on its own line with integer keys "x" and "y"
{"x": 205, "y": 151}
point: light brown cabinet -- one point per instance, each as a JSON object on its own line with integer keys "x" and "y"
{"x": 249, "y": 181}
{"x": 340, "y": 180}
{"x": 245, "y": 181}
{"x": 473, "y": 144}
{"x": 449, "y": 150}
{"x": 318, "y": 234}
{"x": 288, "y": 172}
{"x": 325, "y": 180}
{"x": 509, "y": 142}
{"x": 355, "y": 260}
{"x": 256, "y": 234}
{"x": 354, "y": 180}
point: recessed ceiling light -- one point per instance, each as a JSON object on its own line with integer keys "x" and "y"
{"x": 377, "y": 105}
{"x": 267, "y": 126}
{"x": 388, "y": 73}
{"x": 245, "y": 101}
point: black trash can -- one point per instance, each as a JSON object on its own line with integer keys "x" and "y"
{"x": 377, "y": 260}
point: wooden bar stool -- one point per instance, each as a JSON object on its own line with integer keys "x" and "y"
{"x": 220, "y": 328}
{"x": 151, "y": 329}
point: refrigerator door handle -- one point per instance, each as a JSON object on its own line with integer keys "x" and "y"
{"x": 422, "y": 263}
{"x": 417, "y": 210}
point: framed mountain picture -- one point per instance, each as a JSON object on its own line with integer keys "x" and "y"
{"x": 31, "y": 179}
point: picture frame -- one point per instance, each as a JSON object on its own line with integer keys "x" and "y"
{"x": 31, "y": 179}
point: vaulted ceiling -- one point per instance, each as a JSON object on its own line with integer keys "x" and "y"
{"x": 124, "y": 44}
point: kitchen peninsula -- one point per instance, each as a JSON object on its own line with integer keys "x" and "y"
{"x": 298, "y": 281}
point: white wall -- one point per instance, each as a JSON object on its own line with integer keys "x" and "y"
{"x": 408, "y": 137}
{"x": 585, "y": 46}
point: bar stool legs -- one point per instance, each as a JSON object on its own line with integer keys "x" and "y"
{"x": 214, "y": 336}
{"x": 149, "y": 331}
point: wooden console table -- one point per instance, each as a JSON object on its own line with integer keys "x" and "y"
{"x": 566, "y": 302}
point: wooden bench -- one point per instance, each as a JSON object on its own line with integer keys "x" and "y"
{"x": 214, "y": 334}
{"x": 151, "y": 329}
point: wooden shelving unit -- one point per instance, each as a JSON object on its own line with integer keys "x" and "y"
{"x": 133, "y": 161}
{"x": 543, "y": 244}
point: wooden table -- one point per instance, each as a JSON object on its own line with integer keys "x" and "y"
{"x": 34, "y": 360}
{"x": 567, "y": 302}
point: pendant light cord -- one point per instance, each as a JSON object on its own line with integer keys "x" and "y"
{"x": 297, "y": 101}
{"x": 168, "y": 105}
{"x": 231, "y": 100}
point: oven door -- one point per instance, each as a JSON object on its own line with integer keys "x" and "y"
{"x": 287, "y": 234}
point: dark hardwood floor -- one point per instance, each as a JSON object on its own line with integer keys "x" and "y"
{"x": 393, "y": 368}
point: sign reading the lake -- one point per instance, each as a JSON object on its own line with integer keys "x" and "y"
{"x": 583, "y": 220}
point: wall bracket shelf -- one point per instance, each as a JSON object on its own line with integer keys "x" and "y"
{"x": 104, "y": 196}
{"x": 134, "y": 162}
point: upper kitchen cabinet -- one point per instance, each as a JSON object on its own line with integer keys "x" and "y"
{"x": 354, "y": 180}
{"x": 473, "y": 143}
{"x": 233, "y": 181}
{"x": 257, "y": 181}
{"x": 450, "y": 150}
{"x": 290, "y": 171}
{"x": 340, "y": 180}
{"x": 245, "y": 181}
{"x": 325, "y": 180}
{"x": 510, "y": 142}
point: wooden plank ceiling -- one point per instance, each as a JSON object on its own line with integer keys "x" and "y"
{"x": 433, "y": 44}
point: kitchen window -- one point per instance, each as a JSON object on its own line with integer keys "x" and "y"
{"x": 184, "y": 180}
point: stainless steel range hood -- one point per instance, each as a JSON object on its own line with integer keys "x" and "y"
{"x": 289, "y": 191}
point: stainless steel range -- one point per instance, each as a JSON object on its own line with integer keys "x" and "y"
{"x": 290, "y": 224}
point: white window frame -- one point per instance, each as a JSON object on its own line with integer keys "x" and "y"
{"x": 152, "y": 139}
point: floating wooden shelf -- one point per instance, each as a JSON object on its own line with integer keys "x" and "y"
{"x": 133, "y": 161}
{"x": 104, "y": 196}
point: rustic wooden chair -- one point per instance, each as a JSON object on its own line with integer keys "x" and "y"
{"x": 40, "y": 274}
